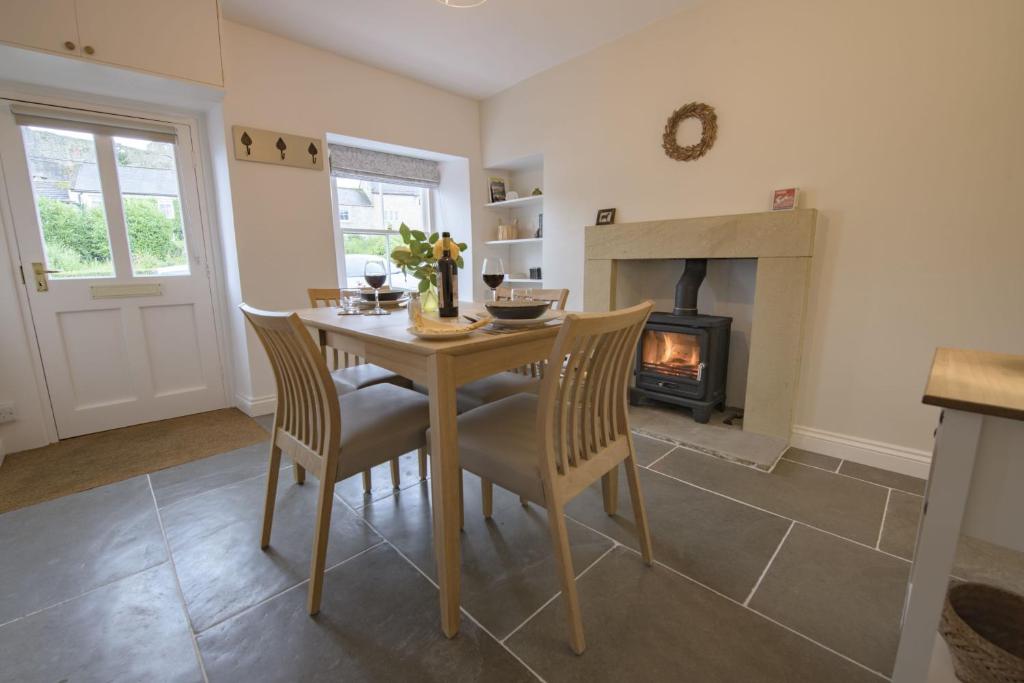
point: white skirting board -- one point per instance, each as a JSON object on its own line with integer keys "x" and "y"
{"x": 876, "y": 453}
{"x": 253, "y": 406}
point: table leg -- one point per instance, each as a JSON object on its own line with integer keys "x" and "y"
{"x": 948, "y": 486}
{"x": 444, "y": 487}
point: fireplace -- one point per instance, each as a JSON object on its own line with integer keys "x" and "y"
{"x": 683, "y": 356}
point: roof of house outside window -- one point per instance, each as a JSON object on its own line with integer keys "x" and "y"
{"x": 353, "y": 196}
{"x": 151, "y": 182}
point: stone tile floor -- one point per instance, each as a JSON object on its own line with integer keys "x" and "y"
{"x": 797, "y": 575}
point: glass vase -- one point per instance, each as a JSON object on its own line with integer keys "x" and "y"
{"x": 428, "y": 299}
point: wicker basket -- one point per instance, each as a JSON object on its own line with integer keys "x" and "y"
{"x": 984, "y": 628}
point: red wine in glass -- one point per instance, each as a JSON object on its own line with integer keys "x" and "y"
{"x": 493, "y": 272}
{"x": 375, "y": 281}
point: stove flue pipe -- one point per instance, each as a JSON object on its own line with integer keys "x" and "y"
{"x": 688, "y": 286}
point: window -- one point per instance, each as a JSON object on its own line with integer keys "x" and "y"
{"x": 79, "y": 173}
{"x": 69, "y": 201}
{"x": 370, "y": 213}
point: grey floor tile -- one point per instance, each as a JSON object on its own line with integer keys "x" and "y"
{"x": 508, "y": 565}
{"x": 825, "y": 462}
{"x": 379, "y": 621}
{"x": 649, "y": 624}
{"x": 899, "y": 532}
{"x": 877, "y": 475}
{"x": 265, "y": 421}
{"x": 351, "y": 490}
{"x": 199, "y": 476}
{"x": 821, "y": 499}
{"x": 840, "y": 594}
{"x": 975, "y": 560}
{"x": 214, "y": 539}
{"x": 648, "y": 450}
{"x": 719, "y": 542}
{"x": 978, "y": 560}
{"x": 131, "y": 630}
{"x": 59, "y": 549}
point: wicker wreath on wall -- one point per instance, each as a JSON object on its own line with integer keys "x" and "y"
{"x": 704, "y": 113}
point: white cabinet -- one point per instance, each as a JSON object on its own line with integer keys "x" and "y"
{"x": 179, "y": 38}
{"x": 45, "y": 24}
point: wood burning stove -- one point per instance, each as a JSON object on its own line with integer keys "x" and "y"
{"x": 683, "y": 356}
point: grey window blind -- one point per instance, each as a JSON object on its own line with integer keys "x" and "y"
{"x": 366, "y": 164}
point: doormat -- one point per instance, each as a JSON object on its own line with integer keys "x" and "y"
{"x": 85, "y": 462}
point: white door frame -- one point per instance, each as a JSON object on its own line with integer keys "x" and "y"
{"x": 208, "y": 232}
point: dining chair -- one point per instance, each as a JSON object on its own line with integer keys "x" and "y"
{"x": 549, "y": 447}
{"x": 517, "y": 380}
{"x": 332, "y": 436}
{"x": 350, "y": 373}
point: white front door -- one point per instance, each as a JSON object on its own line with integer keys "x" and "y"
{"x": 124, "y": 317}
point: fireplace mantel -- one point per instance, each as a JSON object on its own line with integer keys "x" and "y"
{"x": 782, "y": 242}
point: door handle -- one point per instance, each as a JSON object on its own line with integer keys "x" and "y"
{"x": 40, "y": 272}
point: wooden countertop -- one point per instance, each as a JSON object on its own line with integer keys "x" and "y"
{"x": 977, "y": 382}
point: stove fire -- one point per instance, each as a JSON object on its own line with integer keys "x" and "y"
{"x": 672, "y": 354}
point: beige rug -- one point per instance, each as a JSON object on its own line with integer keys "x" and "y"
{"x": 93, "y": 460}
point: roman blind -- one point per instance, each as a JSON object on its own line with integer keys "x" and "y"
{"x": 368, "y": 164}
{"x": 91, "y": 122}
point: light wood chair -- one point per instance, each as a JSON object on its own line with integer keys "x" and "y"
{"x": 557, "y": 297}
{"x": 549, "y": 447}
{"x": 350, "y": 373}
{"x": 517, "y": 380}
{"x": 332, "y": 436}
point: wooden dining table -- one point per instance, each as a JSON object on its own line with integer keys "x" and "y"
{"x": 441, "y": 366}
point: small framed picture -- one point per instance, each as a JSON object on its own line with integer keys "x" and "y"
{"x": 497, "y": 188}
{"x": 605, "y": 216}
{"x": 785, "y": 199}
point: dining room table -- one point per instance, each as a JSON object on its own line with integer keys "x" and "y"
{"x": 441, "y": 366}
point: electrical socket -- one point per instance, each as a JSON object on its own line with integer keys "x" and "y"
{"x": 7, "y": 413}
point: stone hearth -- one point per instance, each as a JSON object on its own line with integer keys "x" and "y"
{"x": 782, "y": 243}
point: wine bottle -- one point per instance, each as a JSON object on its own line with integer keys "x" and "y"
{"x": 447, "y": 281}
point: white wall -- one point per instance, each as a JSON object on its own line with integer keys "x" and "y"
{"x": 901, "y": 121}
{"x": 283, "y": 226}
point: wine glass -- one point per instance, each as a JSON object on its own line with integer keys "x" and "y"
{"x": 375, "y": 272}
{"x": 494, "y": 274}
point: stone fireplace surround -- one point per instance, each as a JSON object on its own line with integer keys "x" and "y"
{"x": 783, "y": 243}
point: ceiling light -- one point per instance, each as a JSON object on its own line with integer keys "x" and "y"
{"x": 462, "y": 4}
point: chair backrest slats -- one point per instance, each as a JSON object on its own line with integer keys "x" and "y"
{"x": 331, "y": 297}
{"x": 583, "y": 409}
{"x": 307, "y": 405}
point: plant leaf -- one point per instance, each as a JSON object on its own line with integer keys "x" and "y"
{"x": 419, "y": 234}
{"x": 459, "y": 262}
{"x": 403, "y": 230}
{"x": 433, "y": 237}
{"x": 463, "y": 246}
{"x": 424, "y": 285}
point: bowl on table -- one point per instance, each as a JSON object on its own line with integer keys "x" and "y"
{"x": 385, "y": 294}
{"x": 517, "y": 310}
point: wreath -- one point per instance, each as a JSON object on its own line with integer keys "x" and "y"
{"x": 709, "y": 129}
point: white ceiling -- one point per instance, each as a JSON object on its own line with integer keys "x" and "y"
{"x": 475, "y": 52}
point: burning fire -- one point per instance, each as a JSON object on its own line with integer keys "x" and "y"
{"x": 670, "y": 353}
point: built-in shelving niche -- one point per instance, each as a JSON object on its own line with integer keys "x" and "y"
{"x": 527, "y": 251}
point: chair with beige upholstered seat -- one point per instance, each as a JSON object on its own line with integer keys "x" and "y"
{"x": 551, "y": 446}
{"x": 519, "y": 380}
{"x": 332, "y": 436}
{"x": 350, "y": 373}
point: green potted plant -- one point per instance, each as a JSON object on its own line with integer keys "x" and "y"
{"x": 418, "y": 254}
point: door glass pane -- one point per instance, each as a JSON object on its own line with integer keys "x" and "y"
{"x": 69, "y": 200}
{"x": 148, "y": 178}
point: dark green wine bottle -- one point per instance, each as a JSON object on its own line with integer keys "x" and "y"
{"x": 447, "y": 281}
